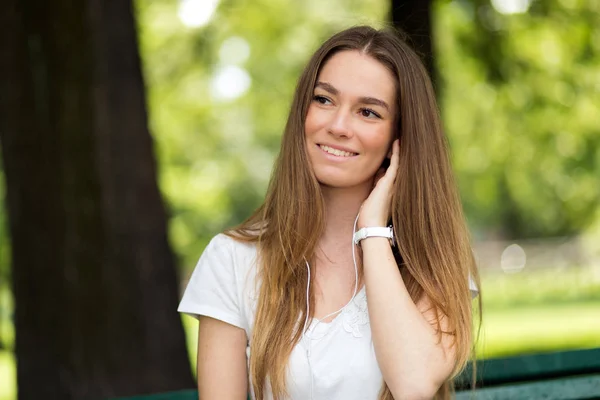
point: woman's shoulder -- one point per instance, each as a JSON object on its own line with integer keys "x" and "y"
{"x": 218, "y": 283}
{"x": 239, "y": 248}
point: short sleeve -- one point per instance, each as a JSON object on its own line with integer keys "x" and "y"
{"x": 212, "y": 290}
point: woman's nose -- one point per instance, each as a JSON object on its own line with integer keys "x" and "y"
{"x": 340, "y": 123}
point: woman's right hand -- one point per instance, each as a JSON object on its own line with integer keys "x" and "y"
{"x": 375, "y": 210}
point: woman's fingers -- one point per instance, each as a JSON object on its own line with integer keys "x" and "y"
{"x": 395, "y": 160}
{"x": 375, "y": 210}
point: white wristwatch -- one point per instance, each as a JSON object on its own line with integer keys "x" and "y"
{"x": 380, "y": 231}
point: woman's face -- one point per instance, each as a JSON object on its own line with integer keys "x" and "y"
{"x": 349, "y": 125}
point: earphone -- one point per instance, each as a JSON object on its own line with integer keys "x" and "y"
{"x": 307, "y": 334}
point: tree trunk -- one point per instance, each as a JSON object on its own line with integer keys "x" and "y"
{"x": 414, "y": 18}
{"x": 93, "y": 275}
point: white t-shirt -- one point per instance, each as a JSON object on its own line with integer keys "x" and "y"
{"x": 333, "y": 360}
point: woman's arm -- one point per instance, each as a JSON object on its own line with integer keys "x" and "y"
{"x": 413, "y": 361}
{"x": 222, "y": 371}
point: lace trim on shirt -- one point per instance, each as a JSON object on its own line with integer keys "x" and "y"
{"x": 355, "y": 316}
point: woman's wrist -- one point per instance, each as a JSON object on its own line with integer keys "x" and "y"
{"x": 385, "y": 232}
{"x": 375, "y": 243}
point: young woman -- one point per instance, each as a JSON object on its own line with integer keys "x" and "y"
{"x": 315, "y": 296}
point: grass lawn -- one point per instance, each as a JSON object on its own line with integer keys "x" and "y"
{"x": 539, "y": 329}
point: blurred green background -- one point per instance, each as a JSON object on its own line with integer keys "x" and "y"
{"x": 519, "y": 91}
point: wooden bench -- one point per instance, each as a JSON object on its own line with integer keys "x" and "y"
{"x": 562, "y": 375}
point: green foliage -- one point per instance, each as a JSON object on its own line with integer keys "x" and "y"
{"x": 518, "y": 93}
{"x": 6, "y": 299}
{"x": 520, "y": 99}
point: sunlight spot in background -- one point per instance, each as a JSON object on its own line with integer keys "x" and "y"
{"x": 513, "y": 259}
{"x": 229, "y": 83}
{"x": 196, "y": 13}
{"x": 234, "y": 50}
{"x": 511, "y": 6}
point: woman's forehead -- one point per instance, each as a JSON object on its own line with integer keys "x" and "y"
{"x": 356, "y": 74}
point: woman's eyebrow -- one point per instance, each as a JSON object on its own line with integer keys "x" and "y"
{"x": 327, "y": 87}
{"x": 364, "y": 100}
{"x": 374, "y": 101}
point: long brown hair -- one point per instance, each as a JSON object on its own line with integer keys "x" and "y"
{"x": 433, "y": 251}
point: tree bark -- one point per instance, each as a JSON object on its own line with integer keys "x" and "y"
{"x": 414, "y": 18}
{"x": 94, "y": 278}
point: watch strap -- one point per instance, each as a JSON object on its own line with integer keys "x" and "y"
{"x": 379, "y": 231}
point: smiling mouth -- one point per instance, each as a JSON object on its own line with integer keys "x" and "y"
{"x": 336, "y": 152}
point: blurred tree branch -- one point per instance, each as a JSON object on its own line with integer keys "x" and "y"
{"x": 414, "y": 18}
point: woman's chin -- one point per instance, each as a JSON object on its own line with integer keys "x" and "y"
{"x": 345, "y": 183}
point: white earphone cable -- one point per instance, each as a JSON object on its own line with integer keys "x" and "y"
{"x": 307, "y": 331}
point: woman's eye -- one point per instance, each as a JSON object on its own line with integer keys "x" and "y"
{"x": 368, "y": 113}
{"x": 321, "y": 99}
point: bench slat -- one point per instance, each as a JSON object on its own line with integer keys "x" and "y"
{"x": 496, "y": 371}
{"x": 580, "y": 387}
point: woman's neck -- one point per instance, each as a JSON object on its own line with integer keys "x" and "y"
{"x": 341, "y": 208}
